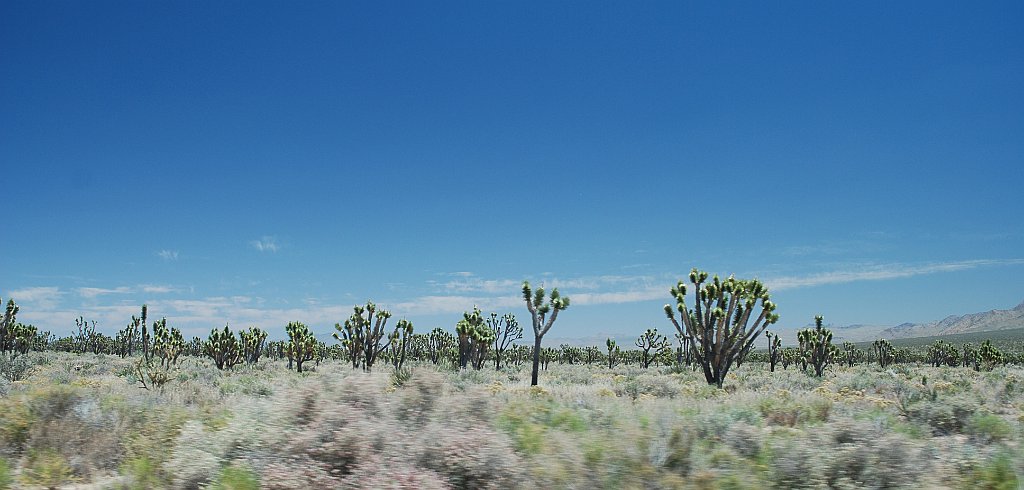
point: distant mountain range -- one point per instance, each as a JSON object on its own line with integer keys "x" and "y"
{"x": 987, "y": 321}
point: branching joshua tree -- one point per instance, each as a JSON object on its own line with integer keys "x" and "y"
{"x": 774, "y": 350}
{"x": 223, "y": 347}
{"x": 542, "y": 323}
{"x": 362, "y": 334}
{"x": 474, "y": 338}
{"x": 885, "y": 353}
{"x": 440, "y": 343}
{"x": 851, "y": 354}
{"x": 506, "y": 330}
{"x": 816, "y": 345}
{"x": 252, "y": 342}
{"x": 301, "y": 346}
{"x": 648, "y": 341}
{"x": 399, "y": 342}
{"x": 719, "y": 321}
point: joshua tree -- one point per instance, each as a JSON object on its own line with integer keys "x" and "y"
{"x": 474, "y": 338}
{"x": 851, "y": 353}
{"x": 613, "y": 353}
{"x": 989, "y": 356}
{"x": 816, "y": 346}
{"x": 719, "y": 321}
{"x": 399, "y": 343}
{"x": 362, "y": 334}
{"x": 252, "y": 343}
{"x": 168, "y": 344}
{"x": 506, "y": 330}
{"x": 650, "y": 340}
{"x": 7, "y": 324}
{"x": 301, "y": 345}
{"x": 439, "y": 345}
{"x": 591, "y": 354}
{"x": 542, "y": 323}
{"x": 884, "y": 352}
{"x": 223, "y": 348}
{"x": 774, "y": 350}
{"x": 970, "y": 357}
{"x": 942, "y": 353}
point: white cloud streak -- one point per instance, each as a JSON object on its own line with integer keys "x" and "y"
{"x": 42, "y": 298}
{"x": 168, "y": 254}
{"x": 94, "y": 292}
{"x": 881, "y": 273}
{"x": 265, "y": 244}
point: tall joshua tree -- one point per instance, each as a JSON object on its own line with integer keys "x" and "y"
{"x": 718, "y": 323}
{"x": 542, "y": 323}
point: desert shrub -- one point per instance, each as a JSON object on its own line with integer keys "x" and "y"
{"x": 987, "y": 427}
{"x": 15, "y": 368}
{"x": 75, "y": 426}
{"x": 15, "y": 423}
{"x": 5, "y": 475}
{"x": 794, "y": 463}
{"x": 141, "y": 474}
{"x": 876, "y": 461}
{"x": 399, "y": 475}
{"x": 680, "y": 450}
{"x": 746, "y": 440}
{"x": 236, "y": 477}
{"x": 790, "y": 411}
{"x": 195, "y": 459}
{"x": 944, "y": 416}
{"x": 472, "y": 458}
{"x": 646, "y": 384}
{"x": 995, "y": 474}
{"x": 419, "y": 395}
{"x": 47, "y": 468}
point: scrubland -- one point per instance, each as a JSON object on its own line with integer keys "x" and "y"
{"x": 82, "y": 421}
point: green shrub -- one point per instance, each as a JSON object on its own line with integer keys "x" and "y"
{"x": 47, "y": 468}
{"x": 236, "y": 478}
{"x": 988, "y": 427}
{"x": 996, "y": 474}
{"x": 5, "y": 475}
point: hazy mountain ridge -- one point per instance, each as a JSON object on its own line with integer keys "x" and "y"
{"x": 973, "y": 322}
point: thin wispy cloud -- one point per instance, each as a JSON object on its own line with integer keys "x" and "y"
{"x": 94, "y": 292}
{"x": 881, "y": 272}
{"x": 156, "y": 289}
{"x": 265, "y": 244}
{"x": 42, "y": 298}
{"x": 168, "y": 254}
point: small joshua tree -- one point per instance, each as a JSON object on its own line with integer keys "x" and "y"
{"x": 223, "y": 348}
{"x": 970, "y": 357}
{"x": 302, "y": 345}
{"x": 506, "y": 330}
{"x": 851, "y": 354}
{"x": 718, "y": 323}
{"x": 542, "y": 323}
{"x": 439, "y": 345}
{"x": 648, "y": 341}
{"x": 942, "y": 353}
{"x": 613, "y": 352}
{"x": 774, "y": 350}
{"x": 990, "y": 356}
{"x": 885, "y": 353}
{"x": 816, "y": 346}
{"x": 399, "y": 342}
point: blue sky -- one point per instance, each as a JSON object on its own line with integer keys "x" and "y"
{"x": 260, "y": 162}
